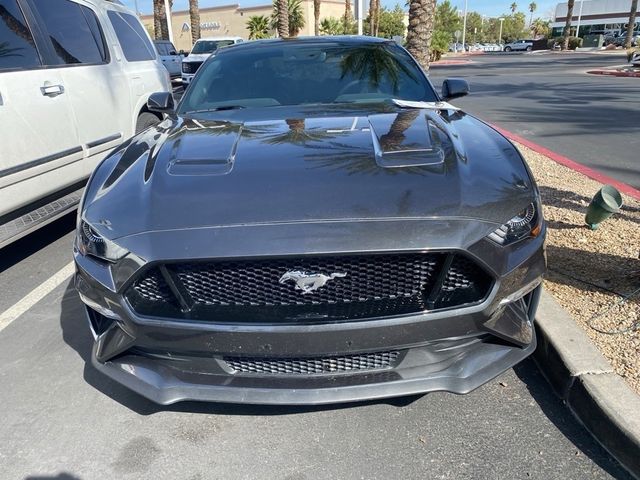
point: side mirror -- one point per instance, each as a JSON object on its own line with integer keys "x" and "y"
{"x": 454, "y": 88}
{"x": 161, "y": 102}
{"x": 173, "y": 52}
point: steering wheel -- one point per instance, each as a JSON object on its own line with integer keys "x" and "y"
{"x": 348, "y": 86}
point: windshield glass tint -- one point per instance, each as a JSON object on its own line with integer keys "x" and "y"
{"x": 210, "y": 46}
{"x": 303, "y": 74}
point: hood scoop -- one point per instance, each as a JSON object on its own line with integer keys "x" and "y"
{"x": 205, "y": 149}
{"x": 405, "y": 139}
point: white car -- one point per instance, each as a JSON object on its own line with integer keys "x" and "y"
{"x": 203, "y": 49}
{"x": 519, "y": 45}
{"x": 75, "y": 76}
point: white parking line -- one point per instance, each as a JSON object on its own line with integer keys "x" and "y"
{"x": 35, "y": 296}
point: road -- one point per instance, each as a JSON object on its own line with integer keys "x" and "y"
{"x": 550, "y": 100}
{"x": 62, "y": 420}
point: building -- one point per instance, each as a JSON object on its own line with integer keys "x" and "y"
{"x": 231, "y": 20}
{"x": 611, "y": 16}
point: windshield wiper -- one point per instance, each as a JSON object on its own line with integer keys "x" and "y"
{"x": 218, "y": 109}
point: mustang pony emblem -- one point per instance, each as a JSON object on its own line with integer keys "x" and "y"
{"x": 308, "y": 282}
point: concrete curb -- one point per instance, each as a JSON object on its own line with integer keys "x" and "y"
{"x": 614, "y": 73}
{"x": 583, "y": 378}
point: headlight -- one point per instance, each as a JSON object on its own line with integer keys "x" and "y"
{"x": 525, "y": 224}
{"x": 90, "y": 242}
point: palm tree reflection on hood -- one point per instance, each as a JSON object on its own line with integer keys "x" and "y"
{"x": 299, "y": 134}
{"x": 376, "y": 65}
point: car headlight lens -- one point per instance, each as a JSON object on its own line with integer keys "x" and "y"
{"x": 90, "y": 242}
{"x": 525, "y": 224}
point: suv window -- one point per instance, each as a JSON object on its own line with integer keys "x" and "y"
{"x": 133, "y": 39}
{"x": 17, "y": 48}
{"x": 73, "y": 30}
{"x": 162, "y": 48}
{"x": 210, "y": 46}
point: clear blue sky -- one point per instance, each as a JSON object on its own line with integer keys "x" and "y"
{"x": 485, "y": 7}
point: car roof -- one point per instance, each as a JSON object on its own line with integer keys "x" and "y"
{"x": 219, "y": 38}
{"x": 313, "y": 40}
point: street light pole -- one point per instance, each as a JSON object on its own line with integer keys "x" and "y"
{"x": 500, "y": 36}
{"x": 579, "y": 19}
{"x": 167, "y": 14}
{"x": 360, "y": 6}
{"x": 135, "y": 2}
{"x": 464, "y": 27}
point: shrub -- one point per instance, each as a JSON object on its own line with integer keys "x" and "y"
{"x": 574, "y": 42}
{"x": 439, "y": 45}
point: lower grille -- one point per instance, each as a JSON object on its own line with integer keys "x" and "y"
{"x": 308, "y": 366}
{"x": 349, "y": 287}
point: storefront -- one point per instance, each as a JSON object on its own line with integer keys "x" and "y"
{"x": 231, "y": 20}
{"x": 610, "y": 16}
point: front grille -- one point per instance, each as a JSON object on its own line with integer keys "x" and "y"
{"x": 190, "y": 67}
{"x": 362, "y": 286}
{"x": 308, "y": 366}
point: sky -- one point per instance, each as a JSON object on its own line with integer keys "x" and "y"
{"x": 491, "y": 8}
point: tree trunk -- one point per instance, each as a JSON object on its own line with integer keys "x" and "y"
{"x": 316, "y": 17}
{"x": 194, "y": 15}
{"x": 347, "y": 16}
{"x": 567, "y": 26}
{"x": 283, "y": 18}
{"x": 373, "y": 8}
{"x": 421, "y": 21}
{"x": 632, "y": 23}
{"x": 158, "y": 18}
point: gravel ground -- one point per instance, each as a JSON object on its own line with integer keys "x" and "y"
{"x": 591, "y": 271}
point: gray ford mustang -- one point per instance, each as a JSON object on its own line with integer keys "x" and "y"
{"x": 312, "y": 223}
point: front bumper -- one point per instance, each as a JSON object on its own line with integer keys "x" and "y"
{"x": 455, "y": 350}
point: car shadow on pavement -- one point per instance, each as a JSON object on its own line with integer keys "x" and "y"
{"x": 76, "y": 334}
{"x": 557, "y": 412}
{"x": 60, "y": 476}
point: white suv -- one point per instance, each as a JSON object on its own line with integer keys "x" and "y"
{"x": 203, "y": 49}
{"x": 75, "y": 76}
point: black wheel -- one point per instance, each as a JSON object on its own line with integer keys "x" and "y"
{"x": 146, "y": 120}
{"x": 507, "y": 49}
{"x": 529, "y": 49}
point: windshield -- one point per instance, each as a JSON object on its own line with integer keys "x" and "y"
{"x": 210, "y": 46}
{"x": 304, "y": 74}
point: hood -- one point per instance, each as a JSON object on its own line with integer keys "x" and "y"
{"x": 283, "y": 165}
{"x": 196, "y": 57}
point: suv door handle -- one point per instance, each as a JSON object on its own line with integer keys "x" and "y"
{"x": 52, "y": 90}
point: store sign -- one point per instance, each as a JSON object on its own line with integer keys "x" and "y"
{"x": 210, "y": 25}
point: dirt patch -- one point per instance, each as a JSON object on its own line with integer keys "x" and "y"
{"x": 590, "y": 272}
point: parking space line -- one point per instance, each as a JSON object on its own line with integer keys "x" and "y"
{"x": 35, "y": 296}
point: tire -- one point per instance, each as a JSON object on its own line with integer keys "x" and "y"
{"x": 507, "y": 49}
{"x": 146, "y": 120}
{"x": 529, "y": 49}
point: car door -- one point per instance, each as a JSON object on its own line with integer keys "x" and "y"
{"x": 89, "y": 75}
{"x": 37, "y": 127}
{"x": 174, "y": 60}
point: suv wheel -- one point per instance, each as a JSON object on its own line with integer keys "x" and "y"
{"x": 507, "y": 49}
{"x": 529, "y": 48}
{"x": 146, "y": 120}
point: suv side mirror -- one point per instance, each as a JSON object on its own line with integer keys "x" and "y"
{"x": 161, "y": 102}
{"x": 454, "y": 88}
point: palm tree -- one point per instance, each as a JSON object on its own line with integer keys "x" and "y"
{"x": 374, "y": 11}
{"x": 316, "y": 17}
{"x": 331, "y": 26}
{"x": 532, "y": 8}
{"x": 421, "y": 22}
{"x": 258, "y": 26}
{"x": 347, "y": 15}
{"x": 632, "y": 23}
{"x": 282, "y": 17}
{"x": 514, "y": 7}
{"x": 373, "y": 63}
{"x": 194, "y": 15}
{"x": 160, "y": 20}
{"x": 567, "y": 26}
{"x": 291, "y": 13}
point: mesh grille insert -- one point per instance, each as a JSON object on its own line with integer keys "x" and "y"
{"x": 368, "y": 286}
{"x": 307, "y": 366}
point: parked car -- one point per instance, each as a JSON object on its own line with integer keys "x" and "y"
{"x": 311, "y": 224}
{"x": 203, "y": 49}
{"x": 634, "y": 58}
{"x": 621, "y": 41}
{"x": 519, "y": 45}
{"x": 169, "y": 56}
{"x": 75, "y": 77}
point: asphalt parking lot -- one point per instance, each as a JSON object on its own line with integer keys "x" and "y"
{"x": 549, "y": 99}
{"x": 63, "y": 420}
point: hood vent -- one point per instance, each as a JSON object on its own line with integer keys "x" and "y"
{"x": 405, "y": 139}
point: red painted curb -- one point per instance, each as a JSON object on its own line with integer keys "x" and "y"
{"x": 572, "y": 164}
{"x": 613, "y": 73}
